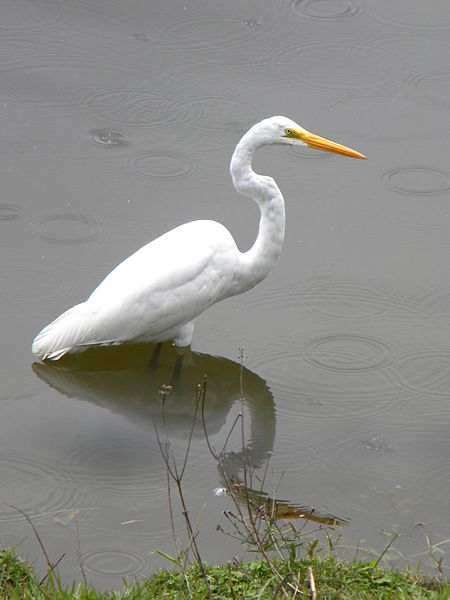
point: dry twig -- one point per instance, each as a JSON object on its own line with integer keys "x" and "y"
{"x": 312, "y": 584}
{"x": 50, "y": 566}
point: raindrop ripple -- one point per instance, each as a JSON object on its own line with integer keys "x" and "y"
{"x": 161, "y": 165}
{"x": 217, "y": 114}
{"x": 430, "y": 89}
{"x": 347, "y": 353}
{"x": 412, "y": 15}
{"x": 36, "y": 487}
{"x": 326, "y": 9}
{"x": 329, "y": 297}
{"x": 346, "y": 299}
{"x": 109, "y": 468}
{"x": 38, "y": 283}
{"x": 66, "y": 228}
{"x": 129, "y": 107}
{"x": 9, "y": 212}
{"x": 108, "y": 138}
{"x": 424, "y": 372}
{"x": 417, "y": 180}
{"x": 114, "y": 562}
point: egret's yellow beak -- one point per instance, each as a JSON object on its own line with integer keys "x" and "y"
{"x": 320, "y": 143}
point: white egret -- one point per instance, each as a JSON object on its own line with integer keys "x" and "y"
{"x": 156, "y": 293}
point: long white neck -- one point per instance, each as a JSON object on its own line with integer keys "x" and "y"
{"x": 257, "y": 263}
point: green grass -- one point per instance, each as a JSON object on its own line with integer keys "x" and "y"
{"x": 334, "y": 580}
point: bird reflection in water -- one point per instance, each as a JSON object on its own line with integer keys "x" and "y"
{"x": 272, "y": 508}
{"x": 119, "y": 379}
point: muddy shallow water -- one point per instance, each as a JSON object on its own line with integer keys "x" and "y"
{"x": 118, "y": 120}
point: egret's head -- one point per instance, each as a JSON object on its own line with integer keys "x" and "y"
{"x": 281, "y": 130}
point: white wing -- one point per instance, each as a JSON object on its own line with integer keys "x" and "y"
{"x": 152, "y": 294}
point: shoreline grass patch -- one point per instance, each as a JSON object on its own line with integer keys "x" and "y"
{"x": 333, "y": 580}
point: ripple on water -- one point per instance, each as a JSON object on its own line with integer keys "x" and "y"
{"x": 419, "y": 432}
{"x": 52, "y": 79}
{"x": 200, "y": 34}
{"x": 118, "y": 469}
{"x": 376, "y": 445}
{"x": 19, "y": 16}
{"x": 407, "y": 54}
{"x": 417, "y": 180}
{"x": 130, "y": 107}
{"x": 38, "y": 488}
{"x": 433, "y": 475}
{"x": 66, "y": 228}
{"x": 329, "y": 297}
{"x": 99, "y": 25}
{"x": 217, "y": 114}
{"x": 161, "y": 165}
{"x": 117, "y": 231}
{"x": 114, "y": 562}
{"x": 330, "y": 387}
{"x": 326, "y": 9}
{"x": 431, "y": 89}
{"x": 102, "y": 26}
{"x": 9, "y": 212}
{"x": 379, "y": 117}
{"x": 336, "y": 65}
{"x": 346, "y": 298}
{"x": 140, "y": 36}
{"x": 107, "y": 145}
{"x": 60, "y": 15}
{"x": 412, "y": 15}
{"x": 35, "y": 283}
{"x": 108, "y": 138}
{"x": 428, "y": 303}
{"x": 426, "y": 373}
{"x": 347, "y": 353}
{"x": 235, "y": 42}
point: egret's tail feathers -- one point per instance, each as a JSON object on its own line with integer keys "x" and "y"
{"x": 56, "y": 355}
{"x": 63, "y": 335}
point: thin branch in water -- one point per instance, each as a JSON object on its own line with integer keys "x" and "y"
{"x": 232, "y": 492}
{"x": 266, "y": 468}
{"x": 54, "y": 567}
{"x": 172, "y": 521}
{"x": 202, "y": 392}
{"x": 238, "y": 418}
{"x": 394, "y": 538}
{"x": 176, "y": 475}
{"x": 191, "y": 433}
{"x": 164, "y": 449}
{"x": 242, "y": 357}
{"x": 50, "y": 566}
{"x": 35, "y": 531}
{"x": 77, "y": 538}
{"x": 164, "y": 392}
{"x": 242, "y": 398}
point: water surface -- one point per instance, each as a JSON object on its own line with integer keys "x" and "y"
{"x": 118, "y": 120}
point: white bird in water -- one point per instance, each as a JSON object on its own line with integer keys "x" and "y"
{"x": 155, "y": 294}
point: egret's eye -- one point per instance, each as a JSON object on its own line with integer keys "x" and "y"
{"x": 288, "y": 132}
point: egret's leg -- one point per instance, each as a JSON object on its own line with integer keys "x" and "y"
{"x": 178, "y": 365}
{"x": 182, "y": 340}
{"x": 155, "y": 356}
